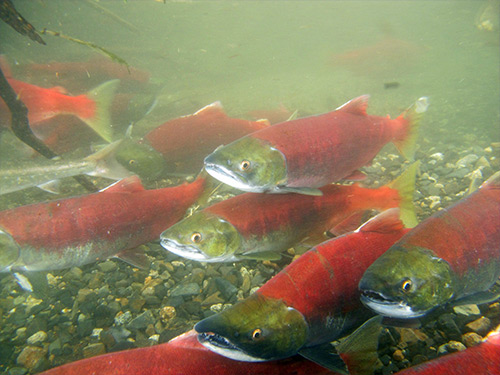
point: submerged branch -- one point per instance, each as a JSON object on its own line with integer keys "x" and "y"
{"x": 13, "y": 18}
{"x": 94, "y": 46}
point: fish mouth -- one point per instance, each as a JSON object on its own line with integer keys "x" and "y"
{"x": 185, "y": 251}
{"x": 192, "y": 252}
{"x": 387, "y": 306}
{"x": 229, "y": 177}
{"x": 222, "y": 346}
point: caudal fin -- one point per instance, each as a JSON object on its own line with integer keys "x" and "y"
{"x": 103, "y": 97}
{"x": 405, "y": 185}
{"x": 406, "y": 142}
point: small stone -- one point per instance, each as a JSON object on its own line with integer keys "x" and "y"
{"x": 419, "y": 358}
{"x": 227, "y": 289}
{"x": 184, "y": 290}
{"x": 455, "y": 346}
{"x": 31, "y": 357}
{"x": 17, "y": 371}
{"x": 398, "y": 355}
{"x": 471, "y": 339}
{"x": 136, "y": 304}
{"x": 412, "y": 336}
{"x": 122, "y": 318}
{"x": 167, "y": 313}
{"x": 55, "y": 347}
{"x": 74, "y": 273}
{"x": 212, "y": 299}
{"x": 481, "y": 326}
{"x": 38, "y": 337}
{"x": 107, "y": 266}
{"x": 447, "y": 323}
{"x": 467, "y": 310}
{"x": 142, "y": 320}
{"x": 92, "y": 350}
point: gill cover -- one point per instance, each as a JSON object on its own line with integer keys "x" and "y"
{"x": 407, "y": 282}
{"x": 248, "y": 164}
{"x": 255, "y": 329}
{"x": 202, "y": 236}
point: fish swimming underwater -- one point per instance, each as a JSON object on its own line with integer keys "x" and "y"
{"x": 259, "y": 226}
{"x": 304, "y": 154}
{"x": 80, "y": 230}
{"x": 453, "y": 256}
{"x": 314, "y": 300}
{"x": 21, "y": 175}
{"x": 185, "y": 141}
{"x": 182, "y": 355}
{"x": 42, "y": 103}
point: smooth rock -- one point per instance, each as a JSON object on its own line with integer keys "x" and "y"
{"x": 107, "y": 266}
{"x": 481, "y": 326}
{"x": 38, "y": 337}
{"x": 92, "y": 350}
{"x": 185, "y": 290}
{"x": 142, "y": 320}
{"x": 31, "y": 356}
{"x": 471, "y": 339}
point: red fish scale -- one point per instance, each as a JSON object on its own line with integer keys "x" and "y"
{"x": 180, "y": 356}
{"x": 325, "y": 148}
{"x": 104, "y": 216}
{"x": 261, "y": 214}
{"x": 466, "y": 235}
{"x": 324, "y": 281}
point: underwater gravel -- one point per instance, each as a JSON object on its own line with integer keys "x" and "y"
{"x": 110, "y": 306}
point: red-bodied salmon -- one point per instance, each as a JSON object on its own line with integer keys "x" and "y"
{"x": 185, "y": 141}
{"x": 42, "y": 103}
{"x": 482, "y": 359}
{"x": 260, "y": 226}
{"x": 304, "y": 154}
{"x": 451, "y": 257}
{"x": 80, "y": 230}
{"x": 183, "y": 355}
{"x": 313, "y": 301}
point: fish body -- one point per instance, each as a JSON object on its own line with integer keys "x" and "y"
{"x": 18, "y": 175}
{"x": 180, "y": 356}
{"x": 310, "y": 152}
{"x": 185, "y": 141}
{"x": 454, "y": 254}
{"x": 46, "y": 103}
{"x": 482, "y": 359}
{"x": 314, "y": 300}
{"x": 80, "y": 230}
{"x": 251, "y": 225}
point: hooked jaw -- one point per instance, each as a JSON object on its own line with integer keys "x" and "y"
{"x": 388, "y": 307}
{"x": 222, "y": 346}
{"x": 228, "y": 177}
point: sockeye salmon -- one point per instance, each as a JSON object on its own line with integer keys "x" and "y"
{"x": 92, "y": 107}
{"x": 185, "y": 141}
{"x": 304, "y": 154}
{"x": 314, "y": 300}
{"x": 76, "y": 231}
{"x": 181, "y": 356}
{"x": 454, "y": 255}
{"x": 259, "y": 226}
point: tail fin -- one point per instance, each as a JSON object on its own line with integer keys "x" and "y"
{"x": 106, "y": 164}
{"x": 406, "y": 143}
{"x": 103, "y": 96}
{"x": 405, "y": 185}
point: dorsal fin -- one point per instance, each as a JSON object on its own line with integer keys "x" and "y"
{"x": 214, "y": 108}
{"x": 130, "y": 184}
{"x": 385, "y": 222}
{"x": 356, "y": 106}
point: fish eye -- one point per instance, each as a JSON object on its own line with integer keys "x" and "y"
{"x": 257, "y": 334}
{"x": 196, "y": 237}
{"x": 245, "y": 165}
{"x": 406, "y": 285}
{"x": 131, "y": 161}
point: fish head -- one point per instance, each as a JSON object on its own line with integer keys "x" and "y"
{"x": 204, "y": 237}
{"x": 407, "y": 282}
{"x": 141, "y": 159}
{"x": 249, "y": 164}
{"x": 256, "y": 329}
{"x": 9, "y": 251}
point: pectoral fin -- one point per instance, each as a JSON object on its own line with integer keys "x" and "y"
{"x": 325, "y": 355}
{"x": 300, "y": 190}
{"x": 263, "y": 255}
{"x": 479, "y": 298}
{"x": 136, "y": 257}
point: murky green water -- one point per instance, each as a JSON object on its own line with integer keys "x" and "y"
{"x": 309, "y": 56}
